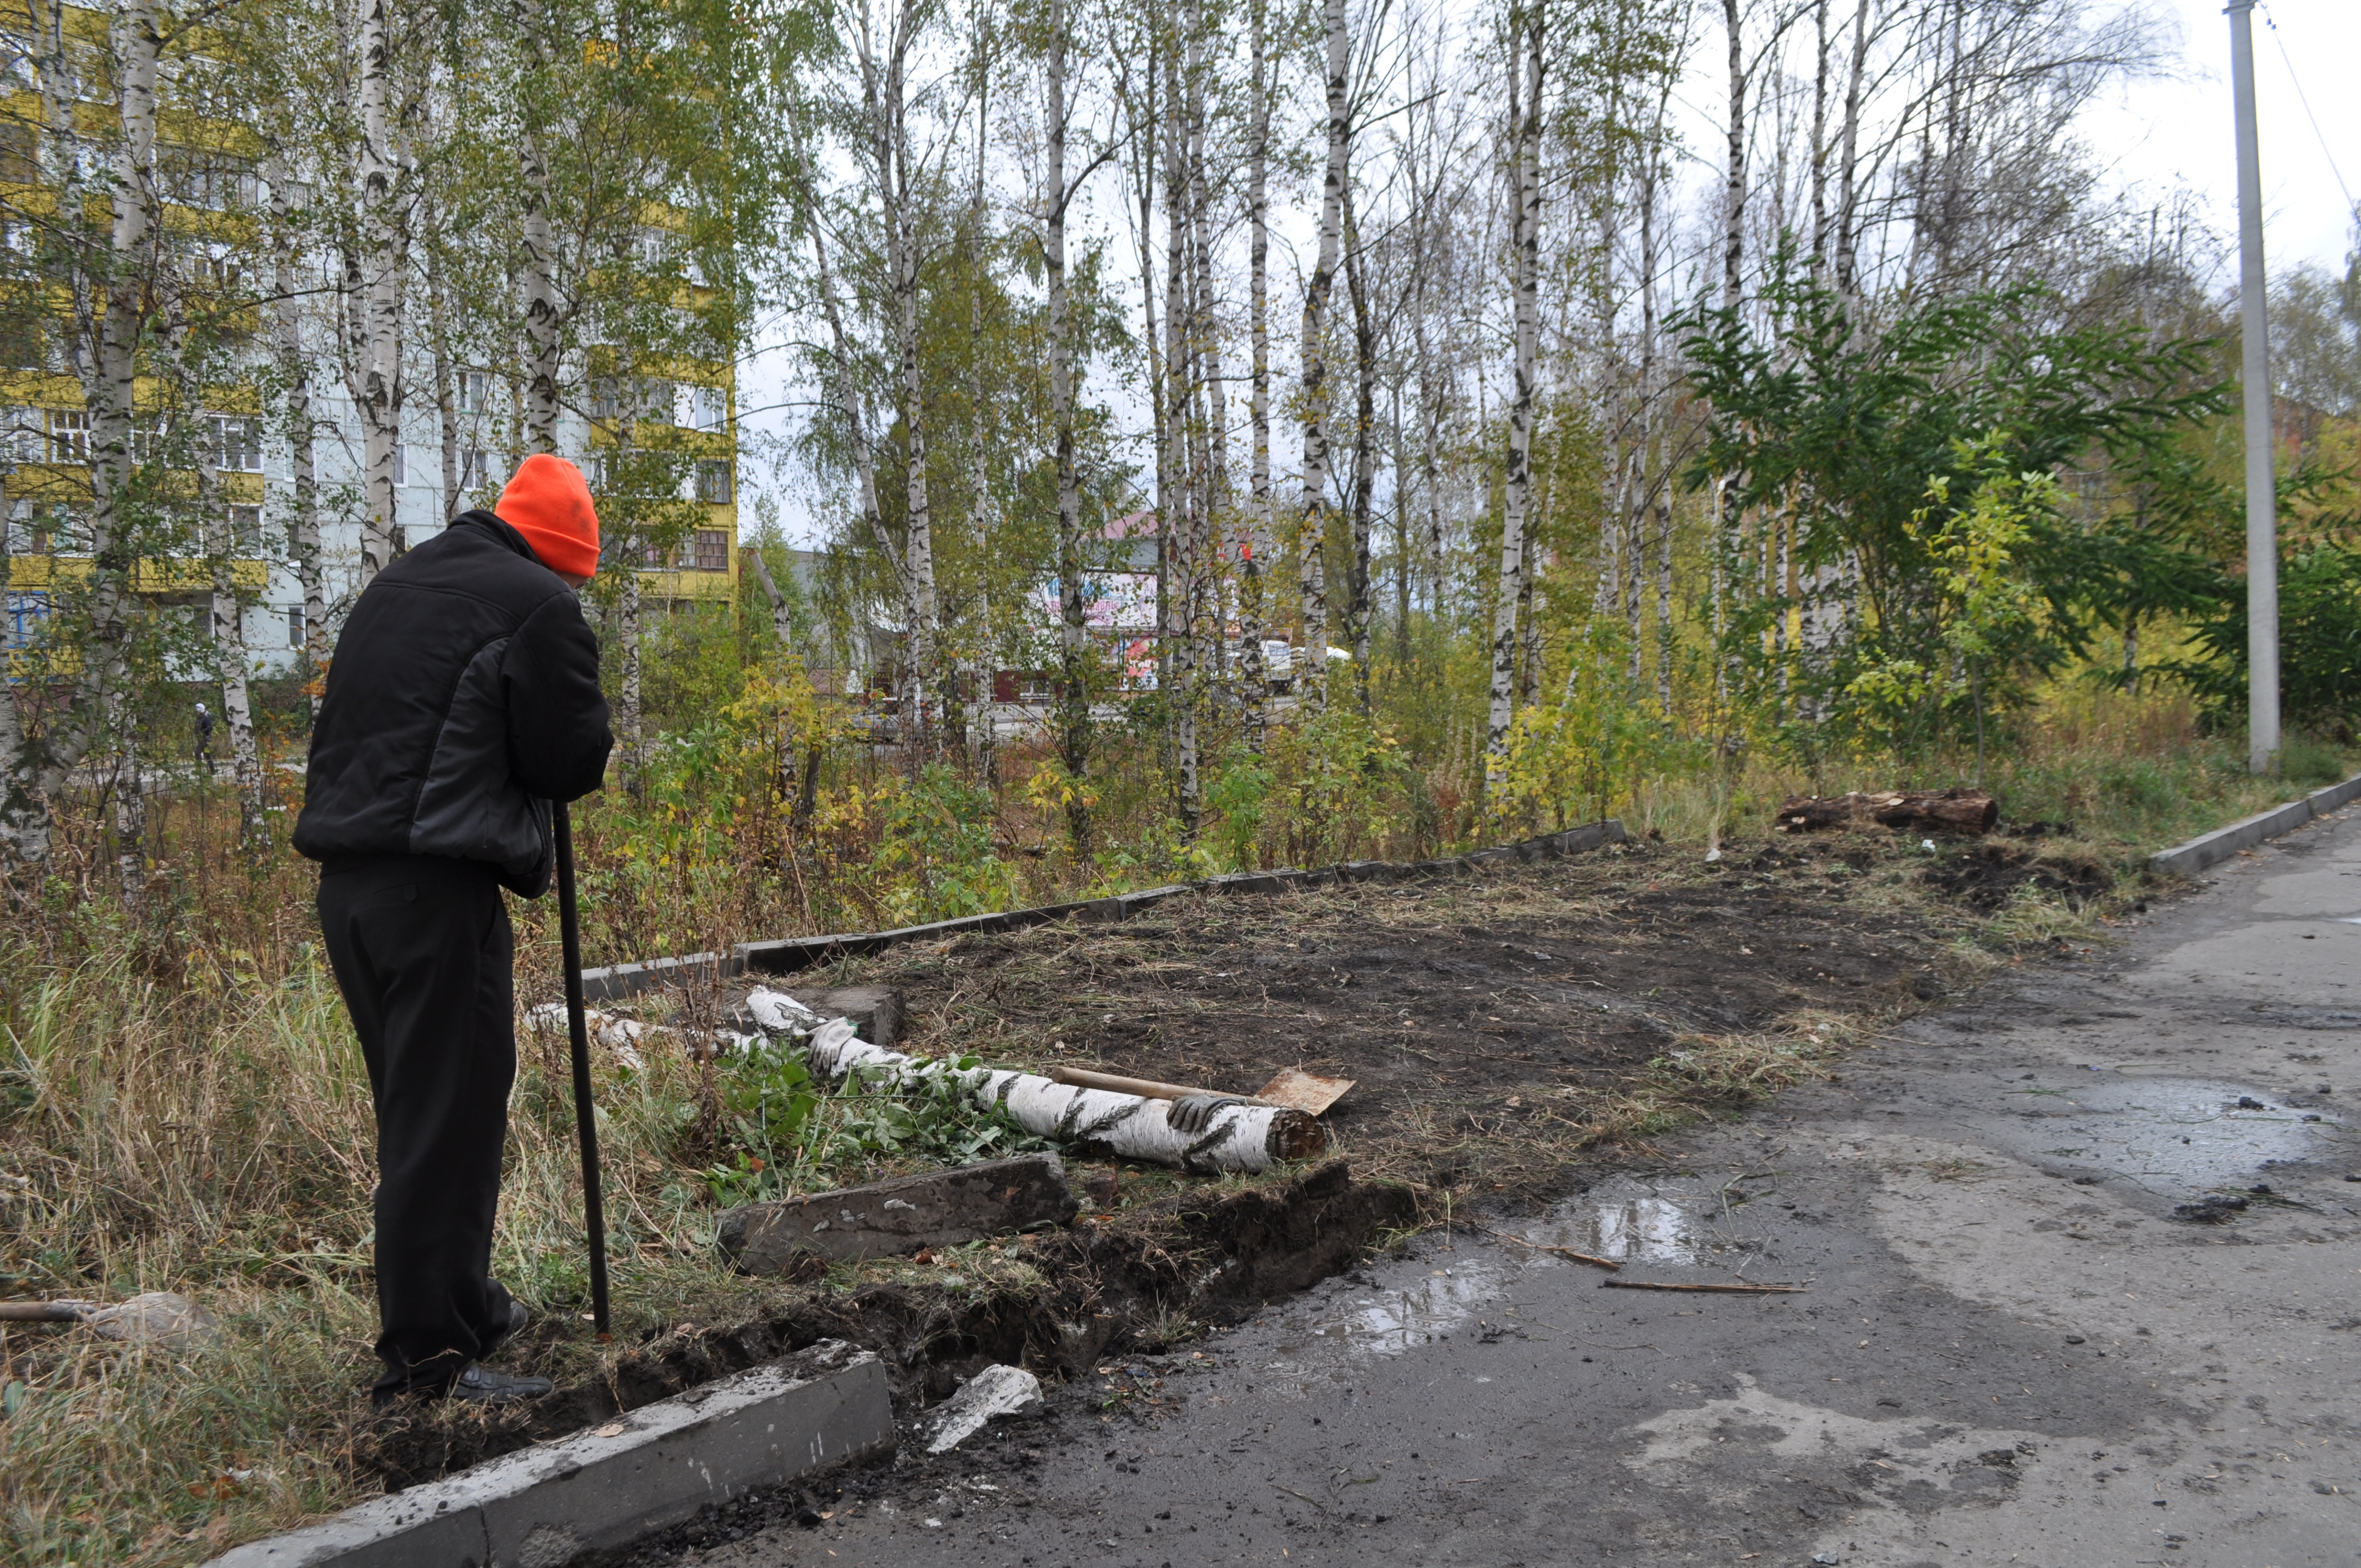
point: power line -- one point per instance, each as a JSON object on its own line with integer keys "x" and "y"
{"x": 2272, "y": 22}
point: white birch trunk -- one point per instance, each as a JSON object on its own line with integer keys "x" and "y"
{"x": 631, "y": 750}
{"x": 381, "y": 225}
{"x": 885, "y": 101}
{"x": 1733, "y": 188}
{"x": 1524, "y": 112}
{"x": 1073, "y": 636}
{"x": 1312, "y": 659}
{"x": 1254, "y": 528}
{"x": 539, "y": 244}
{"x": 231, "y": 663}
{"x": 109, "y": 395}
{"x": 1181, "y": 530}
{"x": 295, "y": 365}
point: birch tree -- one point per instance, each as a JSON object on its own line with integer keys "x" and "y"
{"x": 1525, "y": 77}
{"x": 1311, "y": 657}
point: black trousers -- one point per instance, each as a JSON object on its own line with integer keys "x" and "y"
{"x": 423, "y": 950}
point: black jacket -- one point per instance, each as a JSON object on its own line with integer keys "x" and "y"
{"x": 462, "y": 698}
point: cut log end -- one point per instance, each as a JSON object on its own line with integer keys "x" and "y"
{"x": 1295, "y": 1135}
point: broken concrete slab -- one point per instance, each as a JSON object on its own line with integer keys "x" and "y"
{"x": 603, "y": 1489}
{"x": 998, "y": 1390}
{"x": 885, "y": 1218}
{"x": 875, "y": 1010}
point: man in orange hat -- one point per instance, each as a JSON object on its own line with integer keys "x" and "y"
{"x": 463, "y": 699}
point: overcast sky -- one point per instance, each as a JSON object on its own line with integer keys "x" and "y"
{"x": 2151, "y": 137}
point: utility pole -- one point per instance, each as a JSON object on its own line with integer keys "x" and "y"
{"x": 2262, "y": 486}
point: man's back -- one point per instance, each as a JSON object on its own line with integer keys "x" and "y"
{"x": 463, "y": 697}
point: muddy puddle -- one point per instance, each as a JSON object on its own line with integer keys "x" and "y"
{"x": 1467, "y": 1281}
{"x": 2172, "y": 1135}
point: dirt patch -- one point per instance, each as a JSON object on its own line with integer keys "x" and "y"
{"x": 1500, "y": 1026}
{"x": 1497, "y": 1008}
{"x": 1987, "y": 874}
{"x": 1164, "y": 1269}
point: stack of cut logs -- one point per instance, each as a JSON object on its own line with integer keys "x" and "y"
{"x": 1943, "y": 811}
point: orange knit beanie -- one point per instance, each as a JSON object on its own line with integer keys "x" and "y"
{"x": 549, "y": 504}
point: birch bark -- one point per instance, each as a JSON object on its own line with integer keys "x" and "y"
{"x": 381, "y": 227}
{"x": 1256, "y": 531}
{"x": 539, "y": 239}
{"x": 1073, "y": 638}
{"x": 295, "y": 369}
{"x": 1525, "y": 117}
{"x": 108, "y": 393}
{"x": 1312, "y": 658}
{"x": 885, "y": 98}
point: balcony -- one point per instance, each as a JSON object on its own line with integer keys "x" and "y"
{"x": 43, "y": 573}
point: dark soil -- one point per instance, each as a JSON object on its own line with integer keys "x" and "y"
{"x": 1476, "y": 1007}
{"x": 1106, "y": 1287}
{"x": 1987, "y": 874}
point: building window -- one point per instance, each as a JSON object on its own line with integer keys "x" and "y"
{"x": 713, "y": 485}
{"x": 245, "y": 529}
{"x": 68, "y": 438}
{"x": 711, "y": 407}
{"x": 26, "y": 613}
{"x": 472, "y": 394}
{"x": 400, "y": 464}
{"x": 712, "y": 550}
{"x": 475, "y": 468}
{"x": 39, "y": 529}
{"x": 294, "y": 626}
{"x": 237, "y": 445}
{"x": 213, "y": 181}
{"x": 604, "y": 401}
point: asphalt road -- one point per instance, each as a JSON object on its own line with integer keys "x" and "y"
{"x": 2010, "y": 1351}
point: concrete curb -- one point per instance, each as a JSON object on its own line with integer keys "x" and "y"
{"x": 2211, "y": 849}
{"x": 659, "y": 1464}
{"x": 793, "y": 955}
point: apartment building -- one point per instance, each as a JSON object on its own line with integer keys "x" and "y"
{"x": 659, "y": 445}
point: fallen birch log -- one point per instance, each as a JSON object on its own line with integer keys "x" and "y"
{"x": 1947, "y": 810}
{"x": 1203, "y": 1133}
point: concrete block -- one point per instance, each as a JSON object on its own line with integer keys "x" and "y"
{"x": 1137, "y": 904}
{"x": 875, "y": 1010}
{"x": 618, "y": 981}
{"x": 793, "y": 955}
{"x": 2211, "y": 849}
{"x": 2335, "y": 795}
{"x": 603, "y": 1489}
{"x": 1248, "y": 881}
{"x": 884, "y": 1219}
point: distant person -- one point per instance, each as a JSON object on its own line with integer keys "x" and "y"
{"x": 204, "y": 738}
{"x": 463, "y": 699}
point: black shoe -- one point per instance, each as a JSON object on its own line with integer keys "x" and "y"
{"x": 518, "y": 1318}
{"x": 485, "y": 1385}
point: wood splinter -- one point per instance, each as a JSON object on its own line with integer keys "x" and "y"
{"x": 1730, "y": 1289}
{"x": 1606, "y": 1263}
